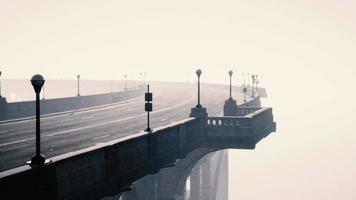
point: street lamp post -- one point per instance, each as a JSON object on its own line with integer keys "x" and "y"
{"x": 198, "y": 72}
{"x": 78, "y": 77}
{"x": 0, "y": 83}
{"x": 252, "y": 88}
{"x": 230, "y": 74}
{"x": 257, "y": 84}
{"x": 37, "y": 82}
{"x": 199, "y": 111}
{"x": 125, "y": 81}
{"x": 245, "y": 91}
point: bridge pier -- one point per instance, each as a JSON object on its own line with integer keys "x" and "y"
{"x": 222, "y": 192}
{"x": 206, "y": 180}
{"x": 195, "y": 183}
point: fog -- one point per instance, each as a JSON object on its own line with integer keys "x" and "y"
{"x": 303, "y": 52}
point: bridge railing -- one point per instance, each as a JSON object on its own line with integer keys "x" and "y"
{"x": 232, "y": 125}
{"x": 242, "y": 111}
{"x": 223, "y": 121}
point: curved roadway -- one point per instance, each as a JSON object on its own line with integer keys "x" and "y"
{"x": 72, "y": 131}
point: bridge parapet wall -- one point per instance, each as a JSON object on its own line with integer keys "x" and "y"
{"x": 27, "y": 108}
{"x": 102, "y": 169}
{"x": 246, "y": 130}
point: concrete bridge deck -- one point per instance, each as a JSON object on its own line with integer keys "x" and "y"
{"x": 111, "y": 167}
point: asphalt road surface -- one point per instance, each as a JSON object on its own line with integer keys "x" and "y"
{"x": 80, "y": 129}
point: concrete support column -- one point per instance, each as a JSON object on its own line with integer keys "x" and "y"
{"x": 195, "y": 183}
{"x": 206, "y": 183}
{"x": 222, "y": 192}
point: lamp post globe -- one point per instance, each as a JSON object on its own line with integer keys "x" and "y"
{"x": 198, "y": 72}
{"x": 37, "y": 82}
{"x": 230, "y": 73}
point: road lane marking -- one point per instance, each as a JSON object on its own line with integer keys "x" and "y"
{"x": 1, "y": 132}
{"x": 162, "y": 120}
{"x": 15, "y": 142}
{"x": 103, "y": 136}
{"x": 86, "y": 118}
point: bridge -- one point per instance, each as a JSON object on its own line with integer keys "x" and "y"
{"x": 115, "y": 166}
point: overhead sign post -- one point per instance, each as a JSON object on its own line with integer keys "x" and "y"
{"x": 148, "y": 107}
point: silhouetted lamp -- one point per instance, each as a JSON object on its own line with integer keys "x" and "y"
{"x": 244, "y": 90}
{"x": 230, "y": 74}
{"x": 125, "y": 81}
{"x": 37, "y": 82}
{"x": 78, "y": 77}
{"x": 253, "y": 83}
{"x": 0, "y": 83}
{"x": 198, "y": 72}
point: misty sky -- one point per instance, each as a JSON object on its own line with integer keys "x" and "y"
{"x": 169, "y": 39}
{"x": 290, "y": 44}
{"x": 303, "y": 51}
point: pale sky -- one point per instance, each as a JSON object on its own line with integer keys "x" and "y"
{"x": 304, "y": 51}
{"x": 288, "y": 43}
{"x": 169, "y": 39}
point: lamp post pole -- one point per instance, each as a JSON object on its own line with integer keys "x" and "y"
{"x": 230, "y": 74}
{"x": 125, "y": 81}
{"x": 78, "y": 77}
{"x": 244, "y": 90}
{"x": 198, "y": 72}
{"x": 0, "y": 83}
{"x": 37, "y": 82}
{"x": 257, "y": 84}
{"x": 252, "y": 88}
